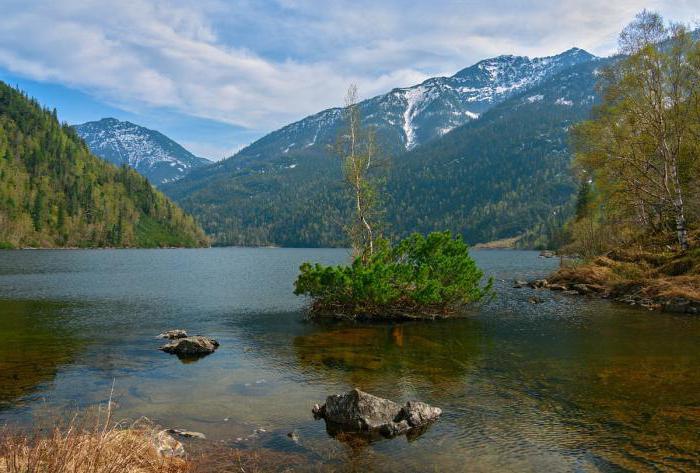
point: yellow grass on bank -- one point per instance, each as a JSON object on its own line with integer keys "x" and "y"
{"x": 99, "y": 446}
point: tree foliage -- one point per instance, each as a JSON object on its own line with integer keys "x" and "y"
{"x": 54, "y": 193}
{"x": 419, "y": 277}
{"x": 640, "y": 152}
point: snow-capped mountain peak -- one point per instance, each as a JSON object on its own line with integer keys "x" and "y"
{"x": 411, "y": 116}
{"x": 148, "y": 151}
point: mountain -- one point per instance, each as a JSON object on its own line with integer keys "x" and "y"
{"x": 406, "y": 118}
{"x": 54, "y": 192}
{"x": 285, "y": 188}
{"x": 150, "y": 152}
{"x": 504, "y": 175}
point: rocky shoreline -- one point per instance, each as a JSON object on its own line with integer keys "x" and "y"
{"x": 630, "y": 293}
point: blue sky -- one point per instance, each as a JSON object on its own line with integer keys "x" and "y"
{"x": 215, "y": 75}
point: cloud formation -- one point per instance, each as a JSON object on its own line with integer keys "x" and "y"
{"x": 261, "y": 64}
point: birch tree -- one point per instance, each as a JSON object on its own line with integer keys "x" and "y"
{"x": 358, "y": 151}
{"x": 641, "y": 146}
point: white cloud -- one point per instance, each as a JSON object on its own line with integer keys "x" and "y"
{"x": 262, "y": 65}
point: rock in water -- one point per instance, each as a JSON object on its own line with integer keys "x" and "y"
{"x": 167, "y": 446}
{"x": 187, "y": 433}
{"x": 191, "y": 346}
{"x": 359, "y": 412}
{"x": 173, "y": 334}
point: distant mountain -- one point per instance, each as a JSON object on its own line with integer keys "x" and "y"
{"x": 150, "y": 152}
{"x": 54, "y": 192}
{"x": 285, "y": 188}
{"x": 408, "y": 117}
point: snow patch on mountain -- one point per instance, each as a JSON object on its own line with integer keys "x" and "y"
{"x": 414, "y": 101}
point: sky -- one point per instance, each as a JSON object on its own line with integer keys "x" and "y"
{"x": 215, "y": 75}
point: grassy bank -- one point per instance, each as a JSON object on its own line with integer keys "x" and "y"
{"x": 76, "y": 449}
{"x": 661, "y": 279}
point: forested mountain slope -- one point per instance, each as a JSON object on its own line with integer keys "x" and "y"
{"x": 502, "y": 175}
{"x": 150, "y": 152}
{"x": 54, "y": 193}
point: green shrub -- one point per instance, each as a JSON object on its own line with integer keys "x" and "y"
{"x": 420, "y": 277}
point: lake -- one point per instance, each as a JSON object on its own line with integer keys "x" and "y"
{"x": 572, "y": 384}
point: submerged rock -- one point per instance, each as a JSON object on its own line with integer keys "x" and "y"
{"x": 187, "y": 433}
{"x": 535, "y": 300}
{"x": 173, "y": 334}
{"x": 519, "y": 284}
{"x": 362, "y": 413}
{"x": 191, "y": 346}
{"x": 167, "y": 446}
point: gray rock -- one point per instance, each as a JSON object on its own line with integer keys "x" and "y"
{"x": 359, "y": 412}
{"x": 582, "y": 288}
{"x": 167, "y": 446}
{"x": 187, "y": 433}
{"x": 519, "y": 284}
{"x": 547, "y": 254}
{"x": 539, "y": 283}
{"x": 191, "y": 346}
{"x": 535, "y": 300}
{"x": 173, "y": 334}
{"x": 677, "y": 305}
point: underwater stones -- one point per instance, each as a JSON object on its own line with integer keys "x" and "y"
{"x": 191, "y": 346}
{"x": 362, "y": 413}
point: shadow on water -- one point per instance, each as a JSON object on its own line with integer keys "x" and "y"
{"x": 35, "y": 344}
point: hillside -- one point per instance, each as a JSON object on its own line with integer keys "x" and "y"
{"x": 150, "y": 152}
{"x": 501, "y": 175}
{"x": 54, "y": 193}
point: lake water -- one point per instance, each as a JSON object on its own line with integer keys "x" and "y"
{"x": 571, "y": 384}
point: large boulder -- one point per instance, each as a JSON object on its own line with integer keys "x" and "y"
{"x": 191, "y": 346}
{"x": 362, "y": 413}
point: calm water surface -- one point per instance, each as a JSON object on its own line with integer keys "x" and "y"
{"x": 568, "y": 385}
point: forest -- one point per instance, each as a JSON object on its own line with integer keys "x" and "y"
{"x": 54, "y": 193}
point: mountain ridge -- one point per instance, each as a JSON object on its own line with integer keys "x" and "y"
{"x": 55, "y": 193}
{"x": 150, "y": 152}
{"x": 291, "y": 196}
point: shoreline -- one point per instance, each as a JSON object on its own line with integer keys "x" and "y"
{"x": 661, "y": 282}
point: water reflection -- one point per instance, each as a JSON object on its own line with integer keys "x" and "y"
{"x": 35, "y": 344}
{"x": 394, "y": 359}
{"x": 568, "y": 385}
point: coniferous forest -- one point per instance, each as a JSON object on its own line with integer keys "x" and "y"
{"x": 55, "y": 193}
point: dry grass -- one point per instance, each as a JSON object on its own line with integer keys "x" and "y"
{"x": 686, "y": 287}
{"x": 660, "y": 275}
{"x": 97, "y": 446}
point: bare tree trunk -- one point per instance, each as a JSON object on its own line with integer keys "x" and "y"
{"x": 679, "y": 208}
